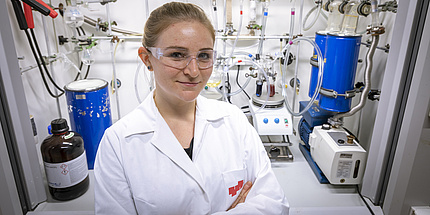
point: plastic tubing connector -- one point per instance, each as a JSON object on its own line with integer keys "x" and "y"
{"x": 320, "y": 74}
{"x": 226, "y": 68}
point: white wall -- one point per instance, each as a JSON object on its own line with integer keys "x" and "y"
{"x": 131, "y": 15}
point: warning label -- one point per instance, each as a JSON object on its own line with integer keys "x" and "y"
{"x": 67, "y": 174}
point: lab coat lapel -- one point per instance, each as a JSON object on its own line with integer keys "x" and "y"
{"x": 207, "y": 113}
{"x": 166, "y": 142}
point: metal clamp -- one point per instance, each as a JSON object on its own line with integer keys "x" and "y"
{"x": 375, "y": 31}
{"x": 314, "y": 61}
{"x": 332, "y": 93}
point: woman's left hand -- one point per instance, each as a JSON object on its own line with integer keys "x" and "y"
{"x": 242, "y": 195}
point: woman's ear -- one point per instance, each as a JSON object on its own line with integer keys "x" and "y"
{"x": 144, "y": 56}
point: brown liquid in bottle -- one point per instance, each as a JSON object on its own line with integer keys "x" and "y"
{"x": 64, "y": 156}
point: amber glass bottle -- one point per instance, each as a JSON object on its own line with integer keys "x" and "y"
{"x": 65, "y": 162}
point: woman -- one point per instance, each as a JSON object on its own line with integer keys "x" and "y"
{"x": 177, "y": 152}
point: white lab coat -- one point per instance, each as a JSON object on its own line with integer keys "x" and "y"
{"x": 141, "y": 167}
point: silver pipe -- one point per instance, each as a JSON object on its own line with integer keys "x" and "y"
{"x": 114, "y": 82}
{"x": 93, "y": 22}
{"x": 367, "y": 83}
{"x": 139, "y": 38}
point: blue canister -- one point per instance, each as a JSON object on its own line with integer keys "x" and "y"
{"x": 88, "y": 105}
{"x": 320, "y": 40}
{"x": 339, "y": 71}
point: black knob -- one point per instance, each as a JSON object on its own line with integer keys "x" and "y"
{"x": 275, "y": 152}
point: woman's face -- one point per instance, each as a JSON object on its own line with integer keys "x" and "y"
{"x": 176, "y": 85}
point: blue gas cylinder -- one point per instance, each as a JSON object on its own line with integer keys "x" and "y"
{"x": 320, "y": 40}
{"x": 89, "y": 110}
{"x": 339, "y": 71}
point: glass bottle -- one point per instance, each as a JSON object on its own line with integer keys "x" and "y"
{"x": 65, "y": 162}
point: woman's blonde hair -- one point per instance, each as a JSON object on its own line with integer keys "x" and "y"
{"x": 171, "y": 13}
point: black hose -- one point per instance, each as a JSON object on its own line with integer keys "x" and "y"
{"x": 40, "y": 67}
{"x": 237, "y": 82}
{"x": 83, "y": 32}
{"x": 43, "y": 62}
{"x": 367, "y": 205}
{"x": 88, "y": 72}
{"x": 79, "y": 33}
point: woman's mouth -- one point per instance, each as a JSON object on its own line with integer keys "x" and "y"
{"x": 189, "y": 84}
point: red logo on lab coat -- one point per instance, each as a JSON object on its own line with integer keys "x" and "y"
{"x": 233, "y": 190}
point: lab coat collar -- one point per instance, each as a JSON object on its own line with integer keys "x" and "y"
{"x": 147, "y": 112}
{"x": 208, "y": 110}
{"x": 143, "y": 118}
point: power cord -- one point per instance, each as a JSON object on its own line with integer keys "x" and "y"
{"x": 367, "y": 205}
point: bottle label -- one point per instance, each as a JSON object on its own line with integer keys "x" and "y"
{"x": 67, "y": 174}
{"x": 70, "y": 135}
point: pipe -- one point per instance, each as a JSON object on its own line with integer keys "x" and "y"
{"x": 215, "y": 20}
{"x": 290, "y": 35}
{"x": 93, "y": 22}
{"x": 318, "y": 8}
{"x": 147, "y": 8}
{"x": 367, "y": 81}
{"x": 320, "y": 74}
{"x": 239, "y": 29}
{"x": 113, "y": 62}
{"x": 375, "y": 14}
{"x": 225, "y": 27}
{"x": 263, "y": 30}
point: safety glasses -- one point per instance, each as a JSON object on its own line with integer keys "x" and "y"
{"x": 180, "y": 58}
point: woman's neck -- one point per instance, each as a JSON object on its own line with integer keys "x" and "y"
{"x": 175, "y": 108}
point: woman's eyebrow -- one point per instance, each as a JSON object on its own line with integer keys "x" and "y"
{"x": 177, "y": 47}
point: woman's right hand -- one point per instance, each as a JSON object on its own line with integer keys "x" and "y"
{"x": 242, "y": 195}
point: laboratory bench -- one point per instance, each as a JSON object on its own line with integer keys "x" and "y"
{"x": 305, "y": 194}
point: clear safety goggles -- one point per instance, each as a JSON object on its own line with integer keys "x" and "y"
{"x": 180, "y": 58}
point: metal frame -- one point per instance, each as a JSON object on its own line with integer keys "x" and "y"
{"x": 9, "y": 199}
{"x": 409, "y": 173}
{"x": 16, "y": 127}
{"x": 393, "y": 121}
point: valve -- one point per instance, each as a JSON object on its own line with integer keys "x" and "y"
{"x": 374, "y": 95}
{"x": 342, "y": 6}
{"x": 364, "y": 8}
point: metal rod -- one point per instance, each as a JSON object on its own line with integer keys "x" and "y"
{"x": 367, "y": 82}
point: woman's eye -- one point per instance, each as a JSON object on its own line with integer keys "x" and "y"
{"x": 177, "y": 55}
{"x": 204, "y": 56}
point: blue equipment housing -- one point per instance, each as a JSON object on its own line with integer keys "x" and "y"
{"x": 313, "y": 117}
{"x": 341, "y": 55}
{"x": 89, "y": 111}
{"x": 320, "y": 40}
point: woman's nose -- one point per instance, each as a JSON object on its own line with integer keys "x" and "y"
{"x": 192, "y": 68}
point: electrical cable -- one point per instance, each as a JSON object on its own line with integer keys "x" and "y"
{"x": 367, "y": 205}
{"x": 40, "y": 68}
{"x": 88, "y": 72}
{"x": 43, "y": 62}
{"x": 79, "y": 33}
{"x": 83, "y": 32}
{"x": 237, "y": 82}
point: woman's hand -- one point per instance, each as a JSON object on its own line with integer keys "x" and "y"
{"x": 242, "y": 195}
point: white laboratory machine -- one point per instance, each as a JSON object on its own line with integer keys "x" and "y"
{"x": 338, "y": 154}
{"x": 274, "y": 118}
